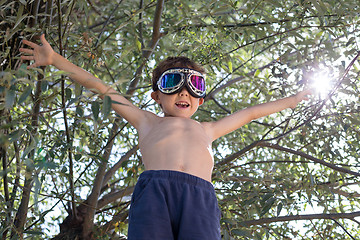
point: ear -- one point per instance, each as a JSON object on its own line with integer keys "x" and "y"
{"x": 155, "y": 96}
{"x": 201, "y": 101}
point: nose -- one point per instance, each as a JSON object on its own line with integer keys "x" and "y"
{"x": 184, "y": 92}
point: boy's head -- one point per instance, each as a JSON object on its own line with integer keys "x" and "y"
{"x": 182, "y": 86}
{"x": 174, "y": 62}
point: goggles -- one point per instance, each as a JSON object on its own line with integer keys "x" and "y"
{"x": 173, "y": 80}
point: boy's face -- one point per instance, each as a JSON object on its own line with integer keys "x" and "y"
{"x": 180, "y": 104}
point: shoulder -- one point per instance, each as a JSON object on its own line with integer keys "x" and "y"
{"x": 147, "y": 123}
{"x": 150, "y": 118}
{"x": 209, "y": 129}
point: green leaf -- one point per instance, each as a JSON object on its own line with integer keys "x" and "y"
{"x": 138, "y": 44}
{"x": 95, "y": 107}
{"x": 106, "y": 107}
{"x": 279, "y": 208}
{"x": 44, "y": 85}
{"x": 351, "y": 40}
{"x": 68, "y": 94}
{"x": 267, "y": 206}
{"x": 30, "y": 147}
{"x": 64, "y": 169}
{"x": 266, "y": 197}
{"x": 9, "y": 98}
{"x": 79, "y": 111}
{"x": 15, "y": 136}
{"x": 127, "y": 12}
{"x": 25, "y": 95}
{"x": 78, "y": 89}
{"x": 77, "y": 157}
{"x": 20, "y": 18}
{"x": 240, "y": 232}
{"x": 230, "y": 66}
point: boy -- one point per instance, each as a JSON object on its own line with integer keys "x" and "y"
{"x": 174, "y": 197}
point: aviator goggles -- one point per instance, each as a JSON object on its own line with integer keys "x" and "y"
{"x": 173, "y": 80}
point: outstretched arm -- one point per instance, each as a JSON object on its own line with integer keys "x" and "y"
{"x": 242, "y": 117}
{"x": 44, "y": 55}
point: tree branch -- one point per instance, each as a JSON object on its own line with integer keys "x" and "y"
{"x": 217, "y": 88}
{"x": 120, "y": 217}
{"x": 307, "y": 156}
{"x": 92, "y": 200}
{"x": 245, "y": 25}
{"x": 264, "y": 143}
{"x": 156, "y": 35}
{"x": 63, "y": 106}
{"x": 112, "y": 197}
{"x": 21, "y": 214}
{"x": 344, "y": 193}
{"x": 301, "y": 217}
{"x": 238, "y": 154}
{"x": 346, "y": 231}
{"x": 116, "y": 166}
{"x": 7, "y": 212}
{"x": 106, "y": 23}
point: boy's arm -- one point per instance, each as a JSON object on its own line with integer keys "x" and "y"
{"x": 44, "y": 55}
{"x": 242, "y": 117}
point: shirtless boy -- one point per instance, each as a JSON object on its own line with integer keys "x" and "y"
{"x": 174, "y": 197}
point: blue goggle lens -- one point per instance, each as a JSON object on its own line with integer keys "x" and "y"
{"x": 170, "y": 80}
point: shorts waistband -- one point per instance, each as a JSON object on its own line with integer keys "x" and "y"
{"x": 178, "y": 177}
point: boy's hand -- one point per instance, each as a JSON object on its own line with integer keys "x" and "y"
{"x": 42, "y": 55}
{"x": 300, "y": 96}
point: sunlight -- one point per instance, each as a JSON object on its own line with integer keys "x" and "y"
{"x": 322, "y": 82}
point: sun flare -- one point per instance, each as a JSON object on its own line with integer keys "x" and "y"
{"x": 321, "y": 82}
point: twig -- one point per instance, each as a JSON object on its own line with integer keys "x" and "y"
{"x": 307, "y": 156}
{"x": 156, "y": 35}
{"x": 67, "y": 131}
{"x": 343, "y": 228}
{"x": 301, "y": 217}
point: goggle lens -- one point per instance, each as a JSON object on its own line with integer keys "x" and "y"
{"x": 198, "y": 82}
{"x": 170, "y": 80}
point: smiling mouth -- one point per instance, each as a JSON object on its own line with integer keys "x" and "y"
{"x": 182, "y": 104}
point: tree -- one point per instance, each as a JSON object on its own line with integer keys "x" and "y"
{"x": 68, "y": 161}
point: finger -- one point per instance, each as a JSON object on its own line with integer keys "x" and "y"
{"x": 30, "y": 44}
{"x": 42, "y": 39}
{"x": 26, "y": 50}
{"x": 27, "y": 57}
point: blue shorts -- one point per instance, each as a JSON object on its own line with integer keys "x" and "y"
{"x": 173, "y": 205}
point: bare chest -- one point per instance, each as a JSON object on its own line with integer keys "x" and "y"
{"x": 175, "y": 130}
{"x": 175, "y": 136}
{"x": 178, "y": 144}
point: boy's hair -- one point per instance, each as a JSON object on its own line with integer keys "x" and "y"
{"x": 174, "y": 62}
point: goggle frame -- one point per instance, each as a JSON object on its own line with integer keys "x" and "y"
{"x": 185, "y": 80}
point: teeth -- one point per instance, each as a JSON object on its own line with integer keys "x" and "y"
{"x": 183, "y": 104}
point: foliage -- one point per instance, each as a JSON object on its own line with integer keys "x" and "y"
{"x": 300, "y": 164}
